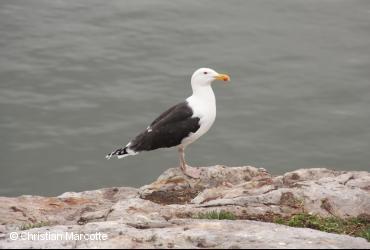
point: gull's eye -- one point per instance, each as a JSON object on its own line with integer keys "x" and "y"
{"x": 205, "y": 72}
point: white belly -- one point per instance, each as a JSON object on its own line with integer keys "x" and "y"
{"x": 205, "y": 110}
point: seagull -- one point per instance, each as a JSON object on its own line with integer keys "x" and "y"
{"x": 181, "y": 124}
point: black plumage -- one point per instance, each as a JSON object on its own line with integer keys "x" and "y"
{"x": 167, "y": 130}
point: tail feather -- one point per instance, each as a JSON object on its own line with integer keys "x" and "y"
{"x": 120, "y": 153}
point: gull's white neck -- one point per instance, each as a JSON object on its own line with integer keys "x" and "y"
{"x": 203, "y": 104}
{"x": 203, "y": 94}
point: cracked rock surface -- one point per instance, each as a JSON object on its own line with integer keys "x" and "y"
{"x": 160, "y": 215}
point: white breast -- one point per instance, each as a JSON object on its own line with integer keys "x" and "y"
{"x": 203, "y": 105}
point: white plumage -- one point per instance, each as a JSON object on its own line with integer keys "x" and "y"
{"x": 182, "y": 124}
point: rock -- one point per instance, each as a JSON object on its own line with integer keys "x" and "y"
{"x": 191, "y": 234}
{"x": 319, "y": 191}
{"x": 161, "y": 214}
{"x": 69, "y": 208}
{"x": 173, "y": 187}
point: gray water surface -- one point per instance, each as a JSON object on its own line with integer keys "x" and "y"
{"x": 80, "y": 78}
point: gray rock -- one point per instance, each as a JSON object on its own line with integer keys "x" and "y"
{"x": 69, "y": 208}
{"x": 191, "y": 234}
{"x": 160, "y": 215}
{"x": 319, "y": 191}
{"x": 173, "y": 187}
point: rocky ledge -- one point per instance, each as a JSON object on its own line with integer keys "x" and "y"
{"x": 166, "y": 213}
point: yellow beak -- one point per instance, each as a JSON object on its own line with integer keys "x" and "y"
{"x": 223, "y": 77}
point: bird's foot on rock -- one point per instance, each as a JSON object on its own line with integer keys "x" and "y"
{"x": 191, "y": 172}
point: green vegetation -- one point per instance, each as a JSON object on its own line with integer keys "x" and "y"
{"x": 355, "y": 226}
{"x": 216, "y": 215}
{"x": 366, "y": 234}
{"x": 34, "y": 225}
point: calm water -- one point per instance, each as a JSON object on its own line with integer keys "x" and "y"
{"x": 79, "y": 78}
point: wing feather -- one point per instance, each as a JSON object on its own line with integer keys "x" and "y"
{"x": 168, "y": 129}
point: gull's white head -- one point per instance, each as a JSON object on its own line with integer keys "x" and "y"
{"x": 205, "y": 76}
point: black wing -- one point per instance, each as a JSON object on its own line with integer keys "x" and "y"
{"x": 168, "y": 130}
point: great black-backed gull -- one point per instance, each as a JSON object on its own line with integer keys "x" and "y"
{"x": 182, "y": 124}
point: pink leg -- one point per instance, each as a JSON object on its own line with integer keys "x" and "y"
{"x": 187, "y": 170}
